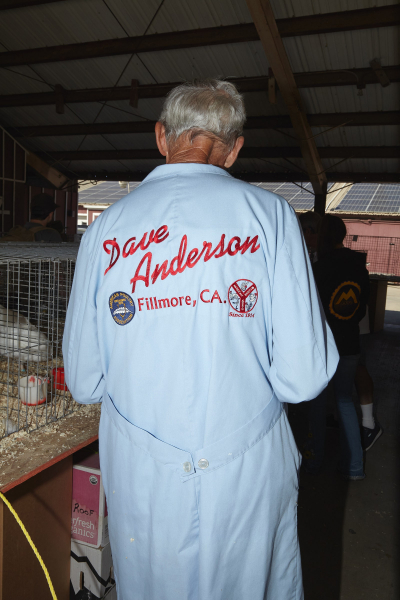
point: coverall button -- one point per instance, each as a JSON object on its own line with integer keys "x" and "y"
{"x": 203, "y": 463}
{"x": 187, "y": 467}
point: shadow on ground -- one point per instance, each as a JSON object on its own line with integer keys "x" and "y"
{"x": 321, "y": 514}
{"x": 349, "y": 531}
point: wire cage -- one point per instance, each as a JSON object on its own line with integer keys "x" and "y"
{"x": 35, "y": 284}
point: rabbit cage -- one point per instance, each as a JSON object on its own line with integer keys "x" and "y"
{"x": 35, "y": 284}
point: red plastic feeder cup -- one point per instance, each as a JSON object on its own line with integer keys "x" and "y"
{"x": 59, "y": 379}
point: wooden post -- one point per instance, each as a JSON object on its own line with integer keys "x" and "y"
{"x": 271, "y": 87}
{"x": 50, "y": 173}
{"x": 264, "y": 20}
{"x": 320, "y": 201}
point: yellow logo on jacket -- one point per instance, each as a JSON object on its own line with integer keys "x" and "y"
{"x": 345, "y": 300}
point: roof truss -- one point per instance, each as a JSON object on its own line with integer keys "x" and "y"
{"x": 384, "y": 16}
{"x": 263, "y": 122}
{"x": 244, "y": 84}
{"x": 12, "y": 4}
{"x": 253, "y": 153}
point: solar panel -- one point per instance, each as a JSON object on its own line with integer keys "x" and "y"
{"x": 386, "y": 199}
{"x": 289, "y": 191}
{"x": 303, "y": 200}
{"x": 105, "y": 192}
{"x": 270, "y": 186}
{"x": 297, "y": 197}
{"x": 371, "y": 197}
{"x": 358, "y": 197}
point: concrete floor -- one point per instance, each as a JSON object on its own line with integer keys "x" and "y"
{"x": 349, "y": 531}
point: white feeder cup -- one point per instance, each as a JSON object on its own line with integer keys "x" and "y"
{"x": 32, "y": 390}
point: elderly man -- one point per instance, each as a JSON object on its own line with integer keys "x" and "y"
{"x": 198, "y": 460}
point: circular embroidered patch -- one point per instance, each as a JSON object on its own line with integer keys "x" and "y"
{"x": 345, "y": 300}
{"x": 122, "y": 308}
{"x": 243, "y": 295}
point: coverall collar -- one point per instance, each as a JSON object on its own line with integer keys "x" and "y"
{"x": 184, "y": 169}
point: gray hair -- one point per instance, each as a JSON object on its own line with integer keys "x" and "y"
{"x": 209, "y": 105}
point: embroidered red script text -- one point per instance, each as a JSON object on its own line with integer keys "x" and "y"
{"x": 180, "y": 262}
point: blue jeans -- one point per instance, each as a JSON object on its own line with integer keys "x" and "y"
{"x": 351, "y": 453}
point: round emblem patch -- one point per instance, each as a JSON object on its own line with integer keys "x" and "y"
{"x": 345, "y": 300}
{"x": 122, "y": 308}
{"x": 243, "y": 295}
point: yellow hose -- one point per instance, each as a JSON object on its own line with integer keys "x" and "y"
{"x": 28, "y": 537}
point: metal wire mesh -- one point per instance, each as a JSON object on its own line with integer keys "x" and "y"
{"x": 383, "y": 253}
{"x": 35, "y": 284}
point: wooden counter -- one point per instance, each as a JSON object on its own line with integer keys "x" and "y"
{"x": 36, "y": 477}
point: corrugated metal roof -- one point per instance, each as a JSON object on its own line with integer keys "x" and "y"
{"x": 362, "y": 165}
{"x": 77, "y": 21}
{"x": 300, "y": 8}
{"x": 346, "y": 99}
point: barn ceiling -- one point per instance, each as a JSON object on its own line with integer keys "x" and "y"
{"x": 82, "y": 82}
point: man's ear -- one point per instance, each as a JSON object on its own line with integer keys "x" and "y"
{"x": 161, "y": 139}
{"x": 233, "y": 154}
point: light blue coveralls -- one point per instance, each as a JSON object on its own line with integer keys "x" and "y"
{"x": 199, "y": 463}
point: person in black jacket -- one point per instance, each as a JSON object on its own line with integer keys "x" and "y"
{"x": 343, "y": 284}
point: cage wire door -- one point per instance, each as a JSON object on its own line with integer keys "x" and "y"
{"x": 35, "y": 284}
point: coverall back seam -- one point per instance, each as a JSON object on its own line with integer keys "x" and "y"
{"x": 254, "y": 443}
{"x": 134, "y": 443}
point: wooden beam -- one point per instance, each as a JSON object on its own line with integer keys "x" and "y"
{"x": 12, "y": 4}
{"x": 264, "y": 20}
{"x": 59, "y": 92}
{"x": 347, "y": 20}
{"x": 379, "y": 72}
{"x": 255, "y": 152}
{"x": 391, "y": 117}
{"x": 320, "y": 200}
{"x": 352, "y": 119}
{"x": 134, "y": 94}
{"x": 244, "y": 84}
{"x": 271, "y": 87}
{"x": 55, "y": 177}
{"x": 366, "y": 18}
{"x": 253, "y": 176}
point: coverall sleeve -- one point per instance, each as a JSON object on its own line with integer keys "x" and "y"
{"x": 304, "y": 354}
{"x": 83, "y": 370}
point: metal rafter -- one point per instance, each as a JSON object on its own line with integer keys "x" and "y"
{"x": 13, "y": 4}
{"x": 367, "y": 18}
{"x": 255, "y": 152}
{"x": 331, "y": 120}
{"x": 159, "y": 90}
